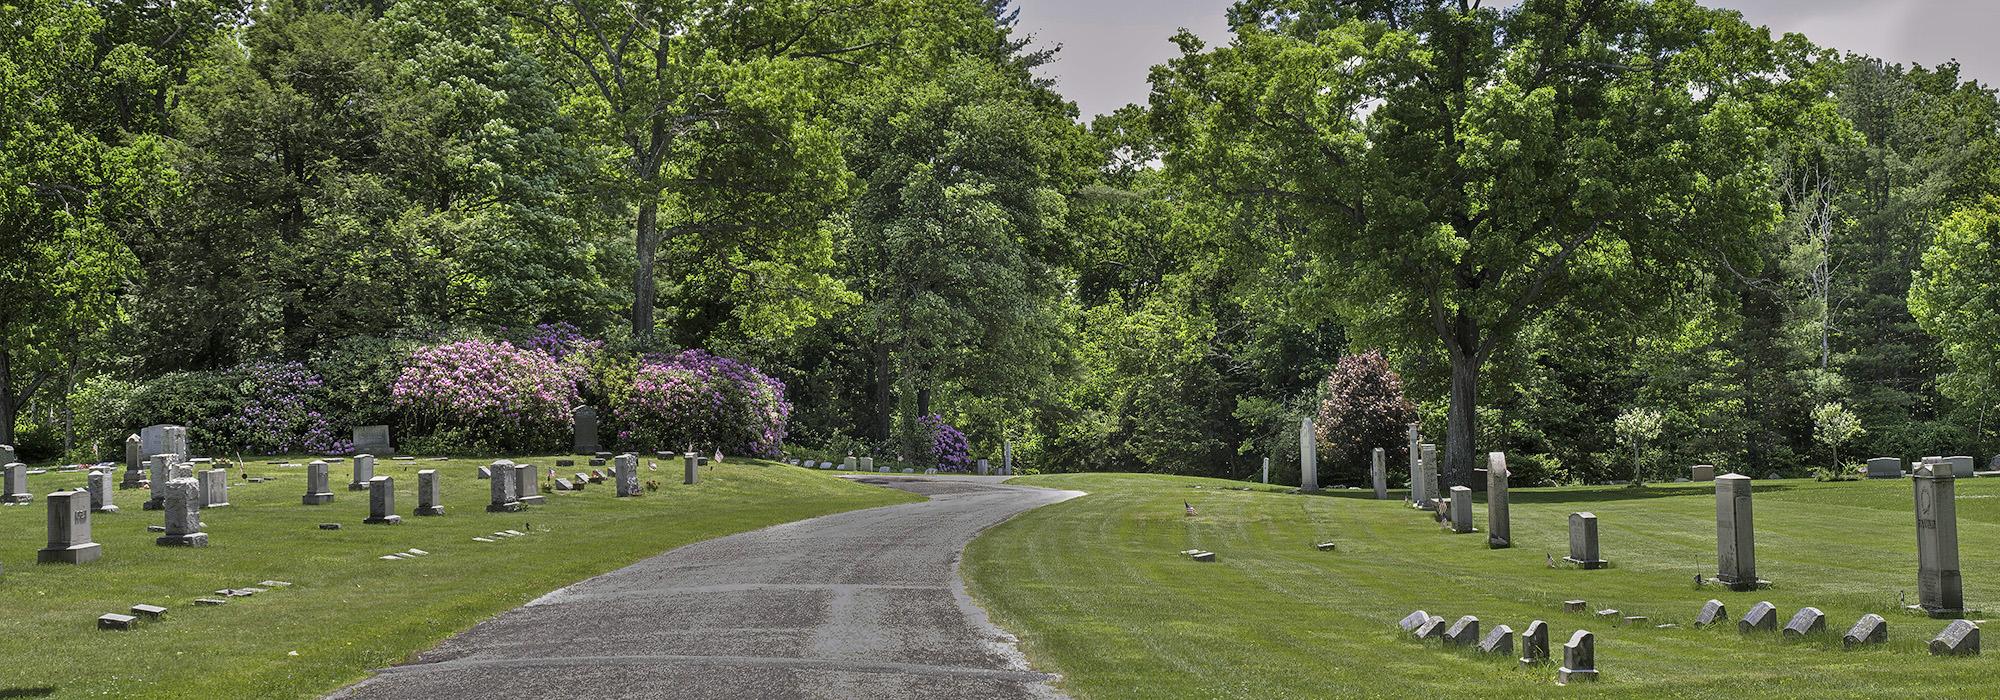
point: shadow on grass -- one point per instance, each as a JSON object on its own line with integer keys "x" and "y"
{"x": 41, "y": 692}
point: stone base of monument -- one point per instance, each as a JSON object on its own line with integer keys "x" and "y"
{"x": 1736, "y": 584}
{"x": 533, "y": 500}
{"x": 154, "y": 504}
{"x": 80, "y": 554}
{"x": 105, "y": 509}
{"x": 1942, "y": 613}
{"x": 1591, "y": 564}
{"x": 18, "y": 498}
{"x": 385, "y": 520}
{"x": 503, "y": 507}
{"x": 1565, "y": 676}
{"x": 433, "y": 510}
{"x": 358, "y": 487}
{"x": 316, "y": 499}
{"x": 193, "y": 539}
{"x": 1497, "y": 543}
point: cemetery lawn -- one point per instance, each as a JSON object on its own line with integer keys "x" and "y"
{"x": 1098, "y": 593}
{"x": 347, "y": 611}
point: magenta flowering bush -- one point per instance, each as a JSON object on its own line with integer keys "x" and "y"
{"x": 281, "y": 411}
{"x": 487, "y": 394}
{"x": 705, "y": 401}
{"x": 947, "y": 450}
{"x": 560, "y": 340}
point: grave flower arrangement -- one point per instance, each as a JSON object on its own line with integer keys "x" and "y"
{"x": 487, "y": 394}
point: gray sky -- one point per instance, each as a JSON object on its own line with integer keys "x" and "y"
{"x": 1107, "y": 45}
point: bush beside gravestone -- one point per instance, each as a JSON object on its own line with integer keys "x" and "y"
{"x": 697, "y": 399}
{"x": 484, "y": 395}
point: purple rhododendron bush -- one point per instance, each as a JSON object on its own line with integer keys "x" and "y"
{"x": 696, "y": 399}
{"x": 483, "y": 394}
{"x": 947, "y": 450}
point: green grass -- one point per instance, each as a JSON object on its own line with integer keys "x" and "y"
{"x": 348, "y": 611}
{"x": 1097, "y": 592}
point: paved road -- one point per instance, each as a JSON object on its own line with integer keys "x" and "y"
{"x": 866, "y": 604}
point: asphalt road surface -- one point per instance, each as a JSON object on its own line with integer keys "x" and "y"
{"x": 861, "y": 605}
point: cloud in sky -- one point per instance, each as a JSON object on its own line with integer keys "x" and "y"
{"x": 1108, "y": 45}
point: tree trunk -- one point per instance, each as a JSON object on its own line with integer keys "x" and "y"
{"x": 881, "y": 401}
{"x": 643, "y": 286}
{"x": 923, "y": 402}
{"x": 6, "y": 389}
{"x": 1462, "y": 417}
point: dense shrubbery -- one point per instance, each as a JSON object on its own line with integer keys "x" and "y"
{"x": 947, "y": 450}
{"x": 486, "y": 395}
{"x": 697, "y": 399}
{"x": 259, "y": 408}
{"x": 1362, "y": 407}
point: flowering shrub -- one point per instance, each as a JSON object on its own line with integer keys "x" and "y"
{"x": 281, "y": 412}
{"x": 697, "y": 399}
{"x": 560, "y": 340}
{"x": 1362, "y": 407}
{"x": 947, "y": 449}
{"x": 492, "y": 393}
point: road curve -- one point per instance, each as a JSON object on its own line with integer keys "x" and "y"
{"x": 866, "y": 604}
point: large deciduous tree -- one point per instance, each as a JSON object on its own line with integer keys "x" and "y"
{"x": 1475, "y": 167}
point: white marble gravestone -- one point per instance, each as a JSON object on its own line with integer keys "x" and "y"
{"x": 69, "y": 530}
{"x": 430, "y": 494}
{"x": 1308, "y": 456}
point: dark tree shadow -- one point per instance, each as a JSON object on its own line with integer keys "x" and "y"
{"x": 41, "y": 692}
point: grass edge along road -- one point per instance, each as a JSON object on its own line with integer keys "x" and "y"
{"x": 1097, "y": 592}
{"x": 348, "y": 611}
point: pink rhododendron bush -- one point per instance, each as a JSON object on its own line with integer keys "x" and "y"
{"x": 478, "y": 394}
{"x": 704, "y": 401}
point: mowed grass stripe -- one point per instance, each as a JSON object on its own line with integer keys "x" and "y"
{"x": 1098, "y": 592}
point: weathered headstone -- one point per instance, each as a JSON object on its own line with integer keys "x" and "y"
{"x": 849, "y": 463}
{"x": 1430, "y": 464}
{"x": 382, "y": 501}
{"x": 583, "y": 424}
{"x": 485, "y": 473}
{"x": 1960, "y": 638}
{"x": 317, "y": 491}
{"x": 164, "y": 439}
{"x": 430, "y": 493}
{"x": 181, "y": 500}
{"x": 1308, "y": 456}
{"x": 1885, "y": 468}
{"x": 1579, "y": 658}
{"x": 1701, "y": 472}
{"x": 214, "y": 488}
{"x": 984, "y": 466}
{"x": 1431, "y": 629}
{"x": 1940, "y": 588}
{"x": 1535, "y": 643}
{"x": 1499, "y": 526}
{"x": 1763, "y": 617}
{"x": 364, "y": 470}
{"x": 527, "y": 488}
{"x": 69, "y": 531}
{"x": 867, "y": 464}
{"x": 1711, "y": 613}
{"x": 1463, "y": 633}
{"x": 1412, "y": 621}
{"x": 1961, "y": 466}
{"x": 1006, "y": 457}
{"x": 15, "y": 484}
{"x": 1870, "y": 629}
{"x": 135, "y": 462}
{"x": 1583, "y": 550}
{"x": 502, "y": 491}
{"x": 160, "y": 467}
{"x": 692, "y": 471}
{"x": 1461, "y": 509}
{"x": 1378, "y": 472}
{"x": 99, "y": 484}
{"x": 626, "y": 475}
{"x": 1735, "y": 535}
{"x": 372, "y": 439}
{"x": 1807, "y": 621}
{"x": 1499, "y": 640}
{"x": 1416, "y": 495}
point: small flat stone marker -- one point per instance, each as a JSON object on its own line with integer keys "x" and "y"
{"x": 274, "y": 584}
{"x": 329, "y": 526}
{"x": 210, "y": 602}
{"x": 1499, "y": 640}
{"x": 1535, "y": 644}
{"x": 150, "y": 612}
{"x": 1633, "y": 620}
{"x": 1609, "y": 614}
{"x": 1464, "y": 632}
{"x": 1712, "y": 612}
{"x": 484, "y": 539}
{"x": 1579, "y": 659}
{"x": 1870, "y": 629}
{"x": 115, "y": 621}
{"x": 1324, "y": 546}
{"x": 1762, "y": 618}
{"x": 1204, "y": 556}
{"x": 1808, "y": 620}
{"x": 1575, "y": 606}
{"x": 1960, "y": 638}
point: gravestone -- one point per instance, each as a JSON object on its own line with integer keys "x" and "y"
{"x": 1431, "y": 629}
{"x": 99, "y": 483}
{"x": 1378, "y": 472}
{"x": 581, "y": 480}
{"x": 1264, "y": 474}
{"x": 1807, "y": 621}
{"x": 1579, "y": 659}
{"x": 1762, "y": 617}
{"x": 1735, "y": 535}
{"x": 1960, "y": 638}
{"x": 382, "y": 502}
{"x": 849, "y": 463}
{"x": 1583, "y": 550}
{"x": 1940, "y": 588}
{"x": 1499, "y": 526}
{"x": 527, "y": 489}
{"x": 867, "y": 463}
{"x": 984, "y": 465}
{"x": 1461, "y": 510}
{"x": 692, "y": 473}
{"x": 502, "y": 491}
{"x": 1535, "y": 644}
{"x": 1885, "y": 468}
{"x": 583, "y": 425}
{"x": 317, "y": 491}
{"x": 1961, "y": 466}
{"x": 485, "y": 473}
{"x": 1416, "y": 467}
{"x": 1870, "y": 629}
{"x": 1701, "y": 472}
{"x": 135, "y": 462}
{"x": 1463, "y": 633}
{"x": 214, "y": 488}
{"x": 430, "y": 493}
{"x": 180, "y": 498}
{"x": 1711, "y": 613}
{"x": 164, "y": 439}
{"x": 16, "y": 484}
{"x": 626, "y": 476}
{"x": 160, "y": 468}
{"x": 372, "y": 439}
{"x": 364, "y": 470}
{"x": 1499, "y": 640}
{"x": 565, "y": 485}
{"x": 69, "y": 530}
{"x": 1412, "y": 621}
{"x": 1308, "y": 456}
{"x": 1006, "y": 457}
{"x": 1430, "y": 464}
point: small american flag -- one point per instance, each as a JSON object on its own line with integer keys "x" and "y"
{"x": 1190, "y": 508}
